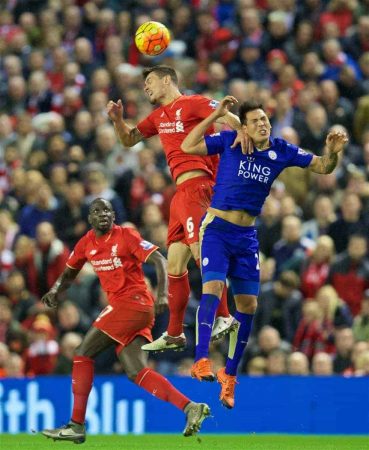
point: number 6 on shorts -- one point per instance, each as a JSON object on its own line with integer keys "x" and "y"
{"x": 190, "y": 227}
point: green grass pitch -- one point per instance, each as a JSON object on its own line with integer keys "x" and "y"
{"x": 200, "y": 442}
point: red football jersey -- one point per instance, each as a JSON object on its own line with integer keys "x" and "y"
{"x": 173, "y": 122}
{"x": 117, "y": 259}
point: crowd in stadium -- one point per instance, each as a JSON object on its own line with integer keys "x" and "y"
{"x": 61, "y": 61}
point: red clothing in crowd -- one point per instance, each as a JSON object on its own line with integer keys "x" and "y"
{"x": 309, "y": 338}
{"x": 313, "y": 277}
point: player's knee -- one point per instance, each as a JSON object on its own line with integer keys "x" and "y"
{"x": 213, "y": 287}
{"x": 133, "y": 370}
{"x": 80, "y": 351}
{"x": 246, "y": 304}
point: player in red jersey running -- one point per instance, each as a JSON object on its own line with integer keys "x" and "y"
{"x": 116, "y": 253}
{"x": 194, "y": 175}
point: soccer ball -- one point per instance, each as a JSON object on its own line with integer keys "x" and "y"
{"x": 152, "y": 38}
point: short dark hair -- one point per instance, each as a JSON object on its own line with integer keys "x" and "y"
{"x": 249, "y": 105}
{"x": 161, "y": 71}
{"x": 98, "y": 200}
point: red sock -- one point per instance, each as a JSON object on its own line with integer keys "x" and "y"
{"x": 160, "y": 387}
{"x": 82, "y": 378}
{"x": 223, "y": 305}
{"x": 178, "y": 293}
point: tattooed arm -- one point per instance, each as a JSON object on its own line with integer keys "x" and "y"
{"x": 335, "y": 142}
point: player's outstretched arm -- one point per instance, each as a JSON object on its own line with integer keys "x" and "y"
{"x": 194, "y": 143}
{"x": 335, "y": 142}
{"x": 67, "y": 277}
{"x": 160, "y": 263}
{"x": 127, "y": 135}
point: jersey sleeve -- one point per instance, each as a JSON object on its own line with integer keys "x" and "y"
{"x": 297, "y": 156}
{"x": 137, "y": 246}
{"x": 77, "y": 258}
{"x": 146, "y": 127}
{"x": 214, "y": 143}
{"x": 203, "y": 106}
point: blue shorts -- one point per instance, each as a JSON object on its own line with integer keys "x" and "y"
{"x": 229, "y": 250}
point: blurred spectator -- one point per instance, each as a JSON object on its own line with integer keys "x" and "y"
{"x": 70, "y": 219}
{"x": 279, "y": 305}
{"x": 357, "y": 42}
{"x": 322, "y": 364}
{"x": 361, "y": 322}
{"x": 297, "y": 364}
{"x": 309, "y": 338}
{"x": 4, "y": 356}
{"x": 47, "y": 261}
{"x": 85, "y": 292}
{"x": 290, "y": 250}
{"x": 248, "y": 65}
{"x": 39, "y": 99}
{"x": 71, "y": 318}
{"x": 268, "y": 340}
{"x": 335, "y": 314}
{"x": 296, "y": 180}
{"x": 289, "y": 81}
{"x": 351, "y": 268}
{"x": 68, "y": 344}
{"x": 98, "y": 185}
{"x": 42, "y": 210}
{"x": 339, "y": 110}
{"x": 21, "y": 299}
{"x": 277, "y": 31}
{"x": 83, "y": 131}
{"x": 344, "y": 342}
{"x": 335, "y": 58}
{"x": 302, "y": 43}
{"x": 256, "y": 366}
{"x": 14, "y": 366}
{"x": 6, "y": 260}
{"x": 361, "y": 365}
{"x": 9, "y": 227}
{"x": 349, "y": 222}
{"x": 323, "y": 210}
{"x": 276, "y": 363}
{"x": 283, "y": 114}
{"x": 358, "y": 349}
{"x": 313, "y": 136}
{"x": 40, "y": 358}
{"x": 315, "y": 268}
{"x": 269, "y": 225}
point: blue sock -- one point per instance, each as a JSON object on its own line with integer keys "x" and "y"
{"x": 238, "y": 341}
{"x": 204, "y": 324}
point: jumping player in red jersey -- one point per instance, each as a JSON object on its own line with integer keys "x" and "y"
{"x": 194, "y": 175}
{"x": 116, "y": 253}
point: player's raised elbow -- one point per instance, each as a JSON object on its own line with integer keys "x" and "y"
{"x": 187, "y": 148}
{"x": 193, "y": 149}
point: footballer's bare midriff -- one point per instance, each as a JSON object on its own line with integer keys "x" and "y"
{"x": 237, "y": 217}
{"x": 191, "y": 174}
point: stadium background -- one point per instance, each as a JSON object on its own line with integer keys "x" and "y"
{"x": 307, "y": 61}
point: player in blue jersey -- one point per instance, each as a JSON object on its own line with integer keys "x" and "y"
{"x": 229, "y": 245}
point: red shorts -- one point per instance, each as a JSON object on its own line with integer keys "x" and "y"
{"x": 188, "y": 206}
{"x": 122, "y": 322}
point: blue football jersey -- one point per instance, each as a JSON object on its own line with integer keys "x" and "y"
{"x": 244, "y": 181}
